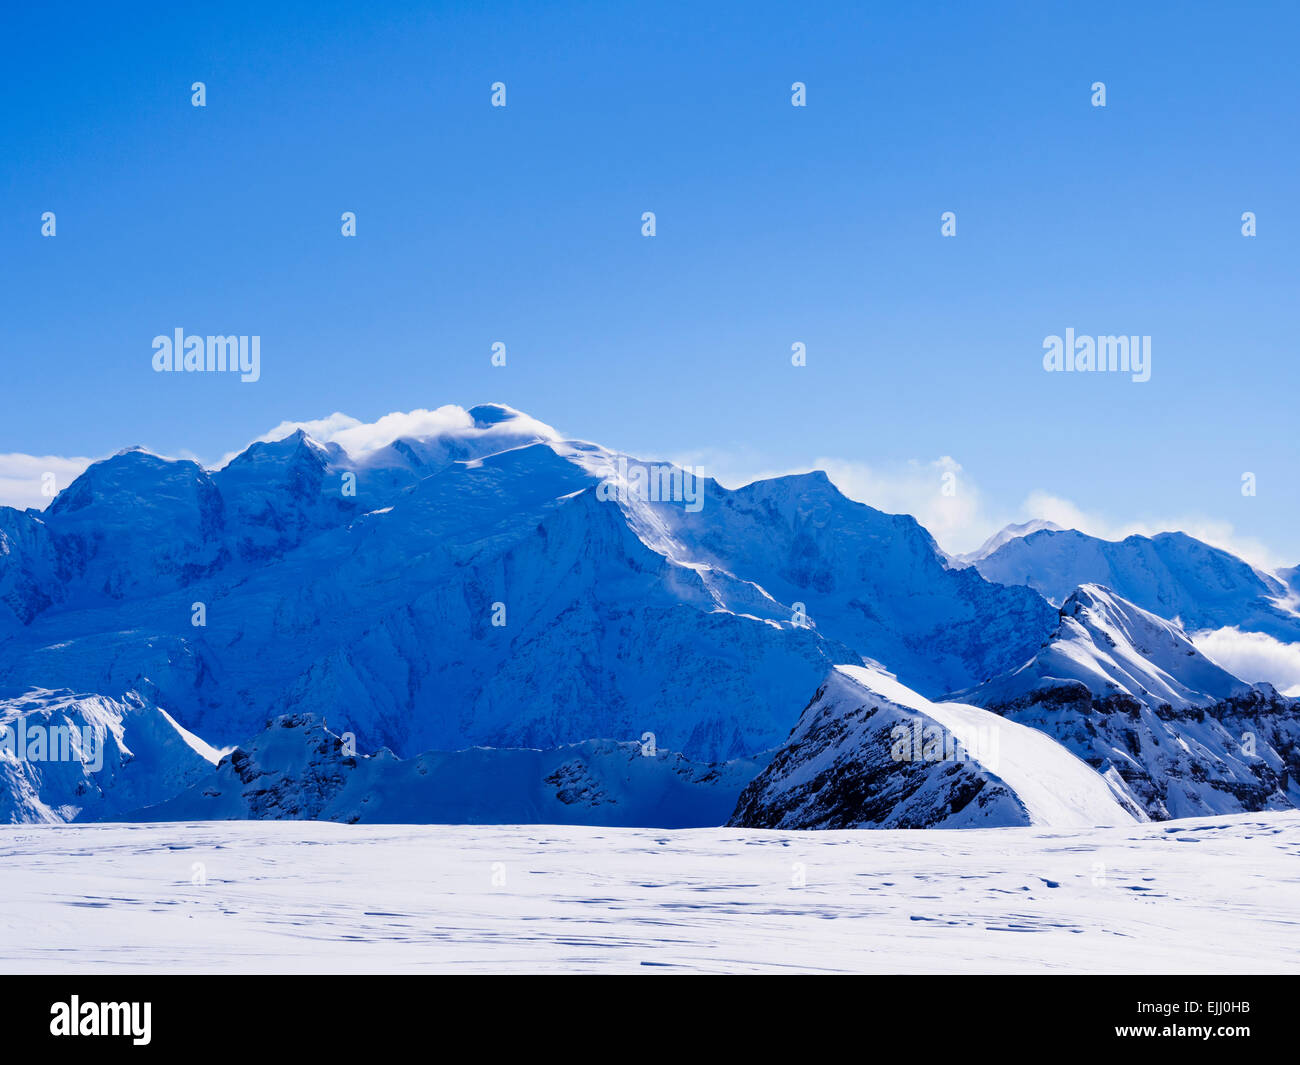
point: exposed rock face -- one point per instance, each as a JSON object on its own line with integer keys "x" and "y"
{"x": 1235, "y": 756}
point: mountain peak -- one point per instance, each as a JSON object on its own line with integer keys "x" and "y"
{"x": 296, "y": 443}
{"x": 1112, "y": 646}
{"x": 1091, "y": 596}
{"x": 133, "y": 473}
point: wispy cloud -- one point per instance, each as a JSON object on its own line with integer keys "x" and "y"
{"x": 22, "y": 477}
{"x": 1253, "y": 656}
{"x": 937, "y": 492}
{"x": 360, "y": 438}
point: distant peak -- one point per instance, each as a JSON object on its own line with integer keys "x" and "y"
{"x": 142, "y": 451}
{"x": 296, "y": 440}
{"x": 1101, "y": 605}
{"x": 292, "y": 447}
{"x": 1015, "y": 531}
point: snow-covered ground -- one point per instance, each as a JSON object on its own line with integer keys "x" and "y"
{"x": 1205, "y": 895}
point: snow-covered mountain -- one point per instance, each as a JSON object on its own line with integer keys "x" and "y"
{"x": 868, "y": 752}
{"x": 1006, "y": 535}
{"x": 67, "y": 757}
{"x": 1129, "y": 694}
{"x": 298, "y": 769}
{"x": 1173, "y": 575}
{"x": 489, "y": 585}
{"x": 1109, "y": 646}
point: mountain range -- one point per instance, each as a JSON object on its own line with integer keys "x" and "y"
{"x": 493, "y": 623}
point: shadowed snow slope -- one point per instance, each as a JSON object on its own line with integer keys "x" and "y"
{"x": 297, "y": 769}
{"x": 870, "y": 753}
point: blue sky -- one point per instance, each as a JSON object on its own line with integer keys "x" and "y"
{"x": 775, "y": 224}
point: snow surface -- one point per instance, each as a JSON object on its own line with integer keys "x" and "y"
{"x": 1216, "y": 894}
{"x": 297, "y": 769}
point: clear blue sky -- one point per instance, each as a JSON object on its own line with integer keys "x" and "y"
{"x": 775, "y": 224}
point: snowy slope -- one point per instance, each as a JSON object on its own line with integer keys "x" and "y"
{"x": 874, "y": 581}
{"x": 30, "y": 569}
{"x": 843, "y": 767}
{"x": 1172, "y": 575}
{"x": 297, "y": 769}
{"x": 1235, "y": 756}
{"x": 276, "y": 495}
{"x": 120, "y": 754}
{"x": 135, "y": 525}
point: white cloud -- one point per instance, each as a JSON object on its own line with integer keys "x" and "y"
{"x": 22, "y": 478}
{"x": 360, "y": 438}
{"x": 1253, "y": 656}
